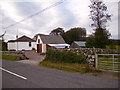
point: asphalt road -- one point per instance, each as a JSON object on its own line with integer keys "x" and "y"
{"x": 40, "y": 77}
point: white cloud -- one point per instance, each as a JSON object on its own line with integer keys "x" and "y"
{"x": 11, "y": 11}
{"x": 69, "y": 14}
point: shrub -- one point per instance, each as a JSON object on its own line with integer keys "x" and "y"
{"x": 33, "y": 48}
{"x": 64, "y": 56}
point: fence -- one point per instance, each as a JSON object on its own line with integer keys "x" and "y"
{"x": 108, "y": 62}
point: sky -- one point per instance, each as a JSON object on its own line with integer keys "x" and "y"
{"x": 67, "y": 15}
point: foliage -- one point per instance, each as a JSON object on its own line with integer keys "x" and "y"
{"x": 57, "y": 31}
{"x": 99, "y": 14}
{"x": 71, "y": 67}
{"x": 33, "y": 48}
{"x": 10, "y": 57}
{"x": 3, "y": 46}
{"x": 64, "y": 56}
{"x": 114, "y": 42}
{"x": 113, "y": 47}
{"x": 100, "y": 17}
{"x": 101, "y": 38}
{"x": 75, "y": 34}
{"x": 43, "y": 54}
{"x": 90, "y": 42}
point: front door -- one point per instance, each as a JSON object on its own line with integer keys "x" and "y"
{"x": 39, "y": 48}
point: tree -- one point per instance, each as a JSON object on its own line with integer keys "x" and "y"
{"x": 90, "y": 41}
{"x": 100, "y": 17}
{"x": 57, "y": 31}
{"x": 75, "y": 34}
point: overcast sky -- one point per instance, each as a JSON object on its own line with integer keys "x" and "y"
{"x": 68, "y": 14}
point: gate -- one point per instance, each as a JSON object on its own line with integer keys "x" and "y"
{"x": 108, "y": 62}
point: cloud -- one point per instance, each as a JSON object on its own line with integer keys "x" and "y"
{"x": 69, "y": 14}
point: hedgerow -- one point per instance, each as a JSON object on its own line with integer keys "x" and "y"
{"x": 64, "y": 56}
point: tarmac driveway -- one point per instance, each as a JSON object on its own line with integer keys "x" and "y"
{"x": 34, "y": 58}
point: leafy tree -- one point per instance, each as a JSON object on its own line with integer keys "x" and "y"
{"x": 101, "y": 38}
{"x": 57, "y": 31}
{"x": 100, "y": 17}
{"x": 75, "y": 34}
{"x": 90, "y": 42}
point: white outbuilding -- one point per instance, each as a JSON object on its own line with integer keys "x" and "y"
{"x": 22, "y": 43}
{"x": 50, "y": 41}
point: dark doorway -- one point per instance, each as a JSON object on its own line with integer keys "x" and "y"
{"x": 39, "y": 48}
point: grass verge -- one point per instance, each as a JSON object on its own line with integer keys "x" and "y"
{"x": 9, "y": 57}
{"x": 70, "y": 67}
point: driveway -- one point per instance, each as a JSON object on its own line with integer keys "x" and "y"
{"x": 31, "y": 76}
{"x": 34, "y": 58}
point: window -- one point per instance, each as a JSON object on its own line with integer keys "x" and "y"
{"x": 29, "y": 44}
{"x": 38, "y": 40}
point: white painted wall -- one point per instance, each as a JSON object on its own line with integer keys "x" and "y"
{"x": 38, "y": 38}
{"x": 11, "y": 45}
{"x": 21, "y": 45}
{"x": 43, "y": 45}
{"x": 25, "y": 45}
{"x": 43, "y": 48}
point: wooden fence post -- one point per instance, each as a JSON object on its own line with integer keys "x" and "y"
{"x": 113, "y": 62}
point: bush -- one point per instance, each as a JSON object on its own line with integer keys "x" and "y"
{"x": 33, "y": 48}
{"x": 64, "y": 56}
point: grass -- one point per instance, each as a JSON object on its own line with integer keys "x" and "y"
{"x": 9, "y": 57}
{"x": 113, "y": 47}
{"x": 70, "y": 67}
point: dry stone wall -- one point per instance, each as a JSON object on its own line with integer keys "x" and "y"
{"x": 90, "y": 53}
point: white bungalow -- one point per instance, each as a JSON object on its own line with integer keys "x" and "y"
{"x": 22, "y": 43}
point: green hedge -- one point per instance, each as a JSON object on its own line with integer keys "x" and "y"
{"x": 64, "y": 56}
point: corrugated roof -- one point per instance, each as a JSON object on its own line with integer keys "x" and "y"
{"x": 23, "y": 39}
{"x": 80, "y": 43}
{"x": 52, "y": 39}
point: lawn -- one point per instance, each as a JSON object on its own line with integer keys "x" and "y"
{"x": 70, "y": 67}
{"x": 9, "y": 57}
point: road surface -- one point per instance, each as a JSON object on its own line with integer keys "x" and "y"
{"x": 40, "y": 77}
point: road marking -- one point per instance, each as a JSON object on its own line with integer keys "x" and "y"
{"x": 13, "y": 73}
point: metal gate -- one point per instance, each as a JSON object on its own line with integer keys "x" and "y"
{"x": 108, "y": 62}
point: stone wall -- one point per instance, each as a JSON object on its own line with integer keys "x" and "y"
{"x": 90, "y": 53}
{"x": 14, "y": 53}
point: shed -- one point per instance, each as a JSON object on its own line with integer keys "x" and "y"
{"x": 78, "y": 44}
{"x": 50, "y": 41}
